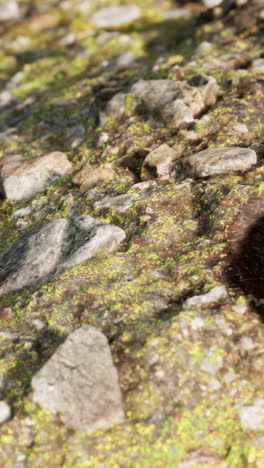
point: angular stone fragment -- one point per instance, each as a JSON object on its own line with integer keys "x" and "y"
{"x": 174, "y": 103}
{"x": 54, "y": 247}
{"x": 89, "y": 176}
{"x": 80, "y": 382}
{"x": 215, "y": 161}
{"x": 115, "y": 16}
{"x": 158, "y": 163}
{"x": 22, "y": 178}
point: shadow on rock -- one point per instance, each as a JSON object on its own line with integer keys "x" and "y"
{"x": 245, "y": 269}
{"x": 28, "y": 360}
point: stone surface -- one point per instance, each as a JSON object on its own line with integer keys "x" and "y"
{"x": 212, "y": 3}
{"x": 214, "y": 161}
{"x": 80, "y": 382}
{"x": 258, "y": 65}
{"x": 214, "y": 296}
{"x": 158, "y": 162}
{"x": 121, "y": 203}
{"x": 252, "y": 416}
{"x": 185, "y": 372}
{"x": 90, "y": 175}
{"x": 22, "y": 178}
{"x": 174, "y": 103}
{"x": 5, "y": 412}
{"x": 54, "y": 247}
{"x": 116, "y": 16}
{"x": 9, "y": 10}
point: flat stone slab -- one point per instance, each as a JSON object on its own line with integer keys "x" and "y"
{"x": 158, "y": 162}
{"x": 22, "y": 178}
{"x": 54, "y": 247}
{"x": 80, "y": 382}
{"x": 216, "y": 161}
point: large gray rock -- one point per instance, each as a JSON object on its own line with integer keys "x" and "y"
{"x": 174, "y": 103}
{"x": 214, "y": 161}
{"x": 54, "y": 247}
{"x": 80, "y": 382}
{"x": 22, "y": 178}
{"x": 115, "y": 16}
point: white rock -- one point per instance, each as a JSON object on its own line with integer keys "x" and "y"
{"x": 212, "y": 3}
{"x": 115, "y": 16}
{"x": 9, "y": 10}
{"x": 214, "y": 296}
{"x": 5, "y": 412}
{"x": 252, "y": 416}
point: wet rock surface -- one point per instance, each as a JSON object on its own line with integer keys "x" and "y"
{"x": 140, "y": 249}
{"x": 80, "y": 382}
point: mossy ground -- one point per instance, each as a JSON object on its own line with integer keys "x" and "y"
{"x": 176, "y": 243}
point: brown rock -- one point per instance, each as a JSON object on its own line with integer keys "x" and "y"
{"x": 89, "y": 176}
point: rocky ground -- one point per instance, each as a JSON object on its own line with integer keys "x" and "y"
{"x": 132, "y": 226}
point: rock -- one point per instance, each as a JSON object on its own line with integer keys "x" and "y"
{"x": 9, "y": 10}
{"x": 115, "y": 16}
{"x": 121, "y": 203}
{"x": 214, "y": 296}
{"x": 90, "y": 175}
{"x": 202, "y": 457}
{"x": 178, "y": 14}
{"x": 54, "y": 247}
{"x": 5, "y": 98}
{"x": 258, "y": 65}
{"x": 22, "y": 178}
{"x": 22, "y": 212}
{"x": 158, "y": 163}
{"x": 252, "y": 416}
{"x": 241, "y": 128}
{"x": 174, "y": 103}
{"x": 215, "y": 161}
{"x": 76, "y": 135}
{"x": 212, "y": 3}
{"x": 5, "y": 412}
{"x": 80, "y": 382}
